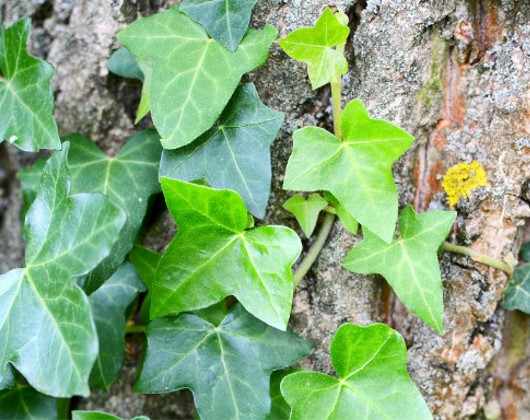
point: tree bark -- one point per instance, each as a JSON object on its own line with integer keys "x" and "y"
{"x": 454, "y": 73}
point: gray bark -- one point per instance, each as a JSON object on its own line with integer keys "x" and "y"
{"x": 454, "y": 73}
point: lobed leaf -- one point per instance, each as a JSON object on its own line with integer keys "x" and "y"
{"x": 306, "y": 211}
{"x": 109, "y": 304}
{"x": 54, "y": 343}
{"x": 26, "y": 97}
{"x": 373, "y": 380}
{"x": 23, "y": 402}
{"x": 517, "y": 293}
{"x": 99, "y": 415}
{"x": 316, "y": 47}
{"x": 240, "y": 353}
{"x": 235, "y": 154}
{"x": 213, "y": 256}
{"x": 357, "y": 171}
{"x": 410, "y": 262}
{"x": 188, "y": 95}
{"x": 226, "y": 21}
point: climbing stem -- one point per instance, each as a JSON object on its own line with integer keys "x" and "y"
{"x": 478, "y": 257}
{"x": 134, "y": 329}
{"x": 315, "y": 249}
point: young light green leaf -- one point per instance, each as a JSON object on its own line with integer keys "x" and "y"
{"x": 517, "y": 293}
{"x": 66, "y": 237}
{"x": 226, "y": 21}
{"x": 188, "y": 95}
{"x": 306, "y": 211}
{"x": 357, "y": 171}
{"x": 346, "y": 219}
{"x": 316, "y": 47}
{"x": 410, "y": 262}
{"x": 374, "y": 383}
{"x": 109, "y": 304}
{"x": 26, "y": 97}
{"x": 227, "y": 367}
{"x": 99, "y": 415}
{"x": 213, "y": 256}
{"x": 235, "y": 154}
{"x": 24, "y": 403}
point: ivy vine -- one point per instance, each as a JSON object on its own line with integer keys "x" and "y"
{"x": 65, "y": 314}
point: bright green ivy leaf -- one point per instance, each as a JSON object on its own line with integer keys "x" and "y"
{"x": 227, "y": 367}
{"x": 193, "y": 76}
{"x": 316, "y": 47}
{"x": 144, "y": 107}
{"x": 373, "y": 380}
{"x": 24, "y": 403}
{"x": 235, "y": 154}
{"x": 410, "y": 262}
{"x": 517, "y": 293}
{"x": 226, "y": 21}
{"x": 346, "y": 219}
{"x": 357, "y": 171}
{"x": 26, "y": 97}
{"x": 306, "y": 211}
{"x": 46, "y": 327}
{"x": 109, "y": 304}
{"x": 99, "y": 415}
{"x": 213, "y": 256}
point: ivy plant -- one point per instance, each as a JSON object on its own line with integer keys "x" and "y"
{"x": 215, "y": 305}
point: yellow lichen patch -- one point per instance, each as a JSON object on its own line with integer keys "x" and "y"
{"x": 463, "y": 178}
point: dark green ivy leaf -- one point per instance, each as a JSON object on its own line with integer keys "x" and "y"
{"x": 226, "y": 21}
{"x": 109, "y": 304}
{"x": 123, "y": 63}
{"x": 128, "y": 179}
{"x": 517, "y": 293}
{"x": 235, "y": 154}
{"x": 24, "y": 403}
{"x": 280, "y": 410}
{"x": 213, "y": 256}
{"x": 26, "y": 97}
{"x": 373, "y": 383}
{"x": 525, "y": 252}
{"x": 188, "y": 95}
{"x": 54, "y": 344}
{"x": 227, "y": 367}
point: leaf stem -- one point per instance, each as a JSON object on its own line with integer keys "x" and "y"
{"x": 314, "y": 251}
{"x": 330, "y": 209}
{"x": 478, "y": 257}
{"x": 135, "y": 329}
{"x": 336, "y": 94}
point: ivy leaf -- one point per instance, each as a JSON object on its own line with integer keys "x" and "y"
{"x": 235, "y": 154}
{"x": 226, "y": 21}
{"x": 99, "y": 415}
{"x": 30, "y": 180}
{"x": 316, "y": 47}
{"x": 374, "y": 383}
{"x": 26, "y": 97}
{"x": 517, "y": 293}
{"x": 280, "y": 410}
{"x": 240, "y": 354}
{"x": 146, "y": 263}
{"x": 213, "y": 256}
{"x": 357, "y": 171}
{"x": 23, "y": 402}
{"x": 188, "y": 95}
{"x": 108, "y": 305}
{"x": 306, "y": 211}
{"x": 525, "y": 252}
{"x": 123, "y": 63}
{"x": 54, "y": 344}
{"x": 128, "y": 179}
{"x": 410, "y": 262}
{"x": 347, "y": 220}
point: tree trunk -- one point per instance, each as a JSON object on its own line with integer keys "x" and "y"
{"x": 454, "y": 73}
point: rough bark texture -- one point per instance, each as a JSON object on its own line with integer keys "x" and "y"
{"x": 454, "y": 73}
